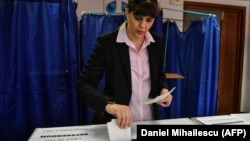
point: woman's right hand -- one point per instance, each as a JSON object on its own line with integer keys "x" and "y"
{"x": 122, "y": 113}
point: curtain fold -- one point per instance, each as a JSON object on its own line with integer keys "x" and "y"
{"x": 38, "y": 62}
{"x": 195, "y": 55}
{"x": 210, "y": 68}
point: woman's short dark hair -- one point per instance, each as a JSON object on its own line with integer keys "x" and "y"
{"x": 144, "y": 7}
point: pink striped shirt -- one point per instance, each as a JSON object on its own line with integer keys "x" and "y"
{"x": 140, "y": 75}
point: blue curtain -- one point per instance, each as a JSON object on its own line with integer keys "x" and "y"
{"x": 38, "y": 62}
{"x": 195, "y": 55}
{"x": 91, "y": 26}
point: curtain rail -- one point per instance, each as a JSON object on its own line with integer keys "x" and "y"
{"x": 102, "y": 13}
{"x": 188, "y": 11}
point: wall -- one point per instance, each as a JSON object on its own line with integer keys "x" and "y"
{"x": 246, "y": 79}
{"x": 99, "y": 6}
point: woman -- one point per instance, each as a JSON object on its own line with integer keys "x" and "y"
{"x": 131, "y": 58}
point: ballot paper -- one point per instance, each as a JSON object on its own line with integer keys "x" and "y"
{"x": 219, "y": 120}
{"x": 154, "y": 100}
{"x": 118, "y": 134}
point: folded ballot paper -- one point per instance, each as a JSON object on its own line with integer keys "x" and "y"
{"x": 118, "y": 134}
{"x": 154, "y": 100}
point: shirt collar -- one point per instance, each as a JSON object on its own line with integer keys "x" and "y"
{"x": 123, "y": 38}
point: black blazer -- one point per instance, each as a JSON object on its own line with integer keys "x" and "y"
{"x": 111, "y": 59}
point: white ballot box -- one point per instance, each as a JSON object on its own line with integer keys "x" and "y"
{"x": 111, "y": 131}
{"x": 96, "y": 132}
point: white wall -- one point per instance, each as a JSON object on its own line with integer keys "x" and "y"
{"x": 245, "y": 104}
{"x": 99, "y": 6}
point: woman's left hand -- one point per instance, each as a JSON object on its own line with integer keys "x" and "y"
{"x": 167, "y": 100}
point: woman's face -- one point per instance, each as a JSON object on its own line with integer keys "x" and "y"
{"x": 137, "y": 25}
